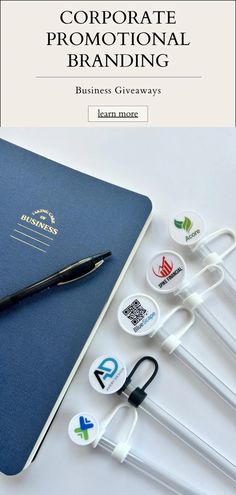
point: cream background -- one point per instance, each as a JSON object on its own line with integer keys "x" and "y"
{"x": 29, "y": 101}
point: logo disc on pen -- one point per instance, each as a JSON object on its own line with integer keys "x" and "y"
{"x": 186, "y": 228}
{"x": 166, "y": 272}
{"x": 83, "y": 428}
{"x": 107, "y": 374}
{"x": 137, "y": 314}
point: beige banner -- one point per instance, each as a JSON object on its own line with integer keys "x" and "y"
{"x": 153, "y": 63}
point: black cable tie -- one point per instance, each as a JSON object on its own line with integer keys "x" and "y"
{"x": 138, "y": 395}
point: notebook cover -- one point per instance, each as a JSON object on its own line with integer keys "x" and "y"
{"x": 51, "y": 216}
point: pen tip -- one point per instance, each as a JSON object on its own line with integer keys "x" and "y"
{"x": 107, "y": 253}
{"x": 101, "y": 256}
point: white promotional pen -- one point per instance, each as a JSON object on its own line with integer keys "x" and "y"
{"x": 138, "y": 315}
{"x": 156, "y": 473}
{"x": 166, "y": 274}
{"x": 139, "y": 398}
{"x": 122, "y": 451}
{"x": 108, "y": 375}
{"x": 187, "y": 229}
{"x": 203, "y": 250}
{"x": 196, "y": 302}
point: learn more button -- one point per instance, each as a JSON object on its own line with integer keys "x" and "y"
{"x": 117, "y": 113}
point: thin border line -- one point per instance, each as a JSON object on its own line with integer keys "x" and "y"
{"x": 30, "y": 236}
{"x": 119, "y": 77}
{"x": 35, "y": 247}
{"x": 234, "y": 63}
{"x": 35, "y": 231}
{"x": 1, "y": 63}
{"x": 108, "y": 1}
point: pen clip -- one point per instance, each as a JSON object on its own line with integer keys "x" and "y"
{"x": 99, "y": 263}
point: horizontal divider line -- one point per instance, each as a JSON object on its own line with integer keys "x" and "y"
{"x": 30, "y": 236}
{"x": 35, "y": 231}
{"x": 35, "y": 247}
{"x": 119, "y": 77}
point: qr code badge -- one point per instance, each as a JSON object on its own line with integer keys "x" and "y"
{"x": 135, "y": 312}
{"x": 138, "y": 314}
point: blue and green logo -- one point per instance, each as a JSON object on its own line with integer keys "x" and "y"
{"x": 84, "y": 426}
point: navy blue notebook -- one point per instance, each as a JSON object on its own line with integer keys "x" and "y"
{"x": 51, "y": 216}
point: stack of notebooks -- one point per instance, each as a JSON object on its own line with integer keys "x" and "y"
{"x": 50, "y": 217}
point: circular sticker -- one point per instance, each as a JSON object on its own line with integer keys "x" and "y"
{"x": 107, "y": 374}
{"x": 186, "y": 228}
{"x": 166, "y": 271}
{"x": 137, "y": 314}
{"x": 83, "y": 428}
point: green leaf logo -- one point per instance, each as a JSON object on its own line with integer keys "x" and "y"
{"x": 178, "y": 224}
{"x": 186, "y": 224}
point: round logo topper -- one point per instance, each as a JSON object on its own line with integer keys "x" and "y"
{"x": 107, "y": 374}
{"x": 83, "y": 428}
{"x": 186, "y": 228}
{"x": 166, "y": 272}
{"x": 138, "y": 314}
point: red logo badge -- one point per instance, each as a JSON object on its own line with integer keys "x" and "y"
{"x": 164, "y": 269}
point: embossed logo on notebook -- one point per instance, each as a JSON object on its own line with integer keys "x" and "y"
{"x": 36, "y": 230}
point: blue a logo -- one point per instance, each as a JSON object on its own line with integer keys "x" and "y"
{"x": 106, "y": 369}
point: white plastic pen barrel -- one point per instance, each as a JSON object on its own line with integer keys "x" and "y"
{"x": 186, "y": 435}
{"x": 208, "y": 318}
{"x": 187, "y": 229}
{"x": 169, "y": 262}
{"x": 207, "y": 376}
{"x": 91, "y": 432}
{"x": 156, "y": 473}
{"x": 223, "y": 334}
{"x": 229, "y": 280}
{"x": 148, "y": 324}
{"x": 121, "y": 451}
{"x": 138, "y": 398}
{"x": 204, "y": 251}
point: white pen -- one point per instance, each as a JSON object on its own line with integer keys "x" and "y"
{"x": 138, "y": 315}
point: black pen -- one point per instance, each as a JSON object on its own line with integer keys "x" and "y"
{"x": 68, "y": 274}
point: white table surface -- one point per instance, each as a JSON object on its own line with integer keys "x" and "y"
{"x": 178, "y": 168}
